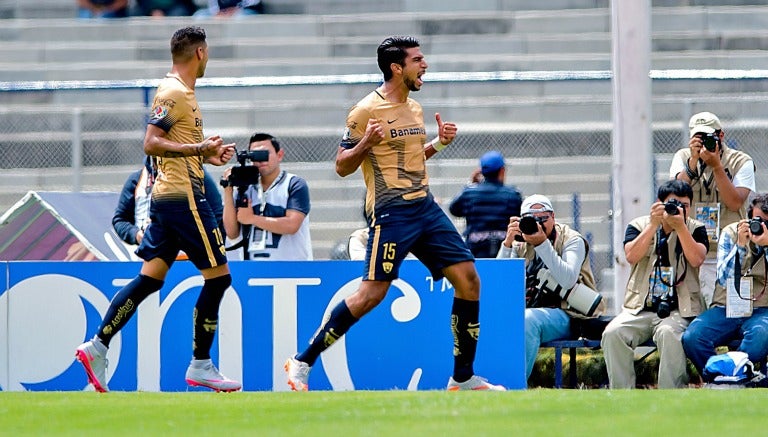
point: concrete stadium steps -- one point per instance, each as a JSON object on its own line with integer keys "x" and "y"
{"x": 546, "y": 52}
{"x": 121, "y": 69}
{"x": 268, "y": 66}
{"x": 287, "y": 36}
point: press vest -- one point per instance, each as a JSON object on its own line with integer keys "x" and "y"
{"x": 638, "y": 287}
{"x": 564, "y": 233}
{"x": 705, "y": 188}
{"x": 752, "y": 266}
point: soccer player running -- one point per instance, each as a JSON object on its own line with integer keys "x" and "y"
{"x": 386, "y": 135}
{"x": 181, "y": 219}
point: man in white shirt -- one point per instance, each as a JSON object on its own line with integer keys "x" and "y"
{"x": 274, "y": 225}
{"x": 722, "y": 180}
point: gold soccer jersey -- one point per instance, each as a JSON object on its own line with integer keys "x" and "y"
{"x": 394, "y": 170}
{"x": 175, "y": 110}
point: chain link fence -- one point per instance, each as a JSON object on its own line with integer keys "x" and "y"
{"x": 570, "y": 161}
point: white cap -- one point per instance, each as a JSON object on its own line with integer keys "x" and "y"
{"x": 704, "y": 123}
{"x": 535, "y": 199}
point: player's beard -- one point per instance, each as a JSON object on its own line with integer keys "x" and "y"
{"x": 411, "y": 84}
{"x": 201, "y": 69}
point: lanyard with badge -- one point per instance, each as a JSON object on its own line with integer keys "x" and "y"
{"x": 739, "y": 289}
{"x": 709, "y": 215}
{"x": 708, "y": 212}
{"x": 663, "y": 281}
{"x": 258, "y": 238}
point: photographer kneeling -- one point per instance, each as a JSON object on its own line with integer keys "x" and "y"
{"x": 269, "y": 220}
{"x": 736, "y": 312}
{"x": 559, "y": 280}
{"x": 663, "y": 295}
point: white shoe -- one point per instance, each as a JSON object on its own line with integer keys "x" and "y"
{"x": 202, "y": 373}
{"x": 95, "y": 364}
{"x": 473, "y": 383}
{"x": 298, "y": 374}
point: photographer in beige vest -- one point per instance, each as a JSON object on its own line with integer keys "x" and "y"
{"x": 737, "y": 312}
{"x": 665, "y": 250}
{"x": 560, "y": 285}
{"x": 721, "y": 178}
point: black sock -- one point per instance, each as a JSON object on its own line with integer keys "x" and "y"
{"x": 124, "y": 304}
{"x": 339, "y": 322}
{"x": 205, "y": 318}
{"x": 465, "y": 326}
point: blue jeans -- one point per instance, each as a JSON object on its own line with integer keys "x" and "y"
{"x": 541, "y": 325}
{"x": 711, "y": 328}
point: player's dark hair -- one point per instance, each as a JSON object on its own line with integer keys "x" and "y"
{"x": 392, "y": 50}
{"x": 185, "y": 41}
{"x": 677, "y": 187}
{"x": 260, "y": 136}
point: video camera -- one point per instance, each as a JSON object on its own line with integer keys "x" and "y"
{"x": 243, "y": 175}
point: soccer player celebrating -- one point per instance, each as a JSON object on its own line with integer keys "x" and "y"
{"x": 386, "y": 136}
{"x": 181, "y": 218}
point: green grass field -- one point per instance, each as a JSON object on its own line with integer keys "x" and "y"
{"x": 398, "y": 413}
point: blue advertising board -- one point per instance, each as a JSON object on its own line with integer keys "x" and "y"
{"x": 270, "y": 312}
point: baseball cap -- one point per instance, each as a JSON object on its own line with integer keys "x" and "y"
{"x": 491, "y": 161}
{"x": 704, "y": 123}
{"x": 534, "y": 199}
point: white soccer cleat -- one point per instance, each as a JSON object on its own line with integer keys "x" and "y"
{"x": 95, "y": 364}
{"x": 473, "y": 383}
{"x": 202, "y": 373}
{"x": 298, "y": 374}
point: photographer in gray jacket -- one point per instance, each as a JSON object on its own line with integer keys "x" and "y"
{"x": 559, "y": 280}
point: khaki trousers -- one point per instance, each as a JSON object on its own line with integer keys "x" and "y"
{"x": 627, "y": 331}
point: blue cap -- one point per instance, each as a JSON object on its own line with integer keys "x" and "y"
{"x": 491, "y": 161}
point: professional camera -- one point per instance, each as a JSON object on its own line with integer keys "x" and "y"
{"x": 529, "y": 225}
{"x": 670, "y": 206}
{"x": 243, "y": 175}
{"x": 581, "y": 298}
{"x": 756, "y": 225}
{"x": 710, "y": 141}
{"x": 665, "y": 304}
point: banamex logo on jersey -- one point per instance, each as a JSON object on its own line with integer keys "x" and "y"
{"x": 270, "y": 312}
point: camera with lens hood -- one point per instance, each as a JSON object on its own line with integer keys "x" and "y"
{"x": 665, "y": 304}
{"x": 529, "y": 225}
{"x": 710, "y": 141}
{"x": 670, "y": 206}
{"x": 756, "y": 225}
